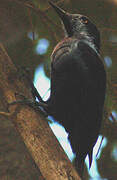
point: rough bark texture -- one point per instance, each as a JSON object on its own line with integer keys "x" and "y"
{"x": 49, "y": 158}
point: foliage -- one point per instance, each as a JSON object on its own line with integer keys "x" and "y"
{"x": 19, "y": 18}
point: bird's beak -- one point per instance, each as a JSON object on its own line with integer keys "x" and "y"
{"x": 65, "y": 17}
{"x": 59, "y": 11}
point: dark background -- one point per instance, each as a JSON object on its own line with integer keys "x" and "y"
{"x": 16, "y": 22}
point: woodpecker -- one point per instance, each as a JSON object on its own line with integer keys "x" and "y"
{"x": 78, "y": 84}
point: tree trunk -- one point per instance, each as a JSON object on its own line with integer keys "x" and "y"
{"x": 31, "y": 125}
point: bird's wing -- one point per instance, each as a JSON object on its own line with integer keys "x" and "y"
{"x": 81, "y": 60}
{"x": 76, "y": 52}
{"x": 79, "y": 78}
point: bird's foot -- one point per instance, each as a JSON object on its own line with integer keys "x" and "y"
{"x": 38, "y": 106}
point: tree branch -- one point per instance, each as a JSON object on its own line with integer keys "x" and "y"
{"x": 33, "y": 128}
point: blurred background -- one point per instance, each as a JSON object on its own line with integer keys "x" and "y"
{"x": 29, "y": 30}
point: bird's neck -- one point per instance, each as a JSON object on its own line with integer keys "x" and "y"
{"x": 90, "y": 40}
{"x": 91, "y": 44}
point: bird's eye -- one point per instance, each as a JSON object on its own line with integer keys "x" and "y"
{"x": 84, "y": 20}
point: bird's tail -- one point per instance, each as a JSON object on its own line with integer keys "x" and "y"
{"x": 90, "y": 158}
{"x": 79, "y": 165}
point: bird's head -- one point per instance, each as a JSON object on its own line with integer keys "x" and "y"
{"x": 78, "y": 25}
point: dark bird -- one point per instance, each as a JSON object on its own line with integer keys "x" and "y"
{"x": 78, "y": 83}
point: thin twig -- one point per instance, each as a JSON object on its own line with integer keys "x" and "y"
{"x": 47, "y": 21}
{"x": 32, "y": 26}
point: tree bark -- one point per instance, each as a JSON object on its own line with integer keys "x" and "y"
{"x": 33, "y": 128}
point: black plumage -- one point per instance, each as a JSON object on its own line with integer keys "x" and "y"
{"x": 78, "y": 83}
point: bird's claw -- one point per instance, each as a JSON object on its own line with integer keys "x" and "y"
{"x": 38, "y": 106}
